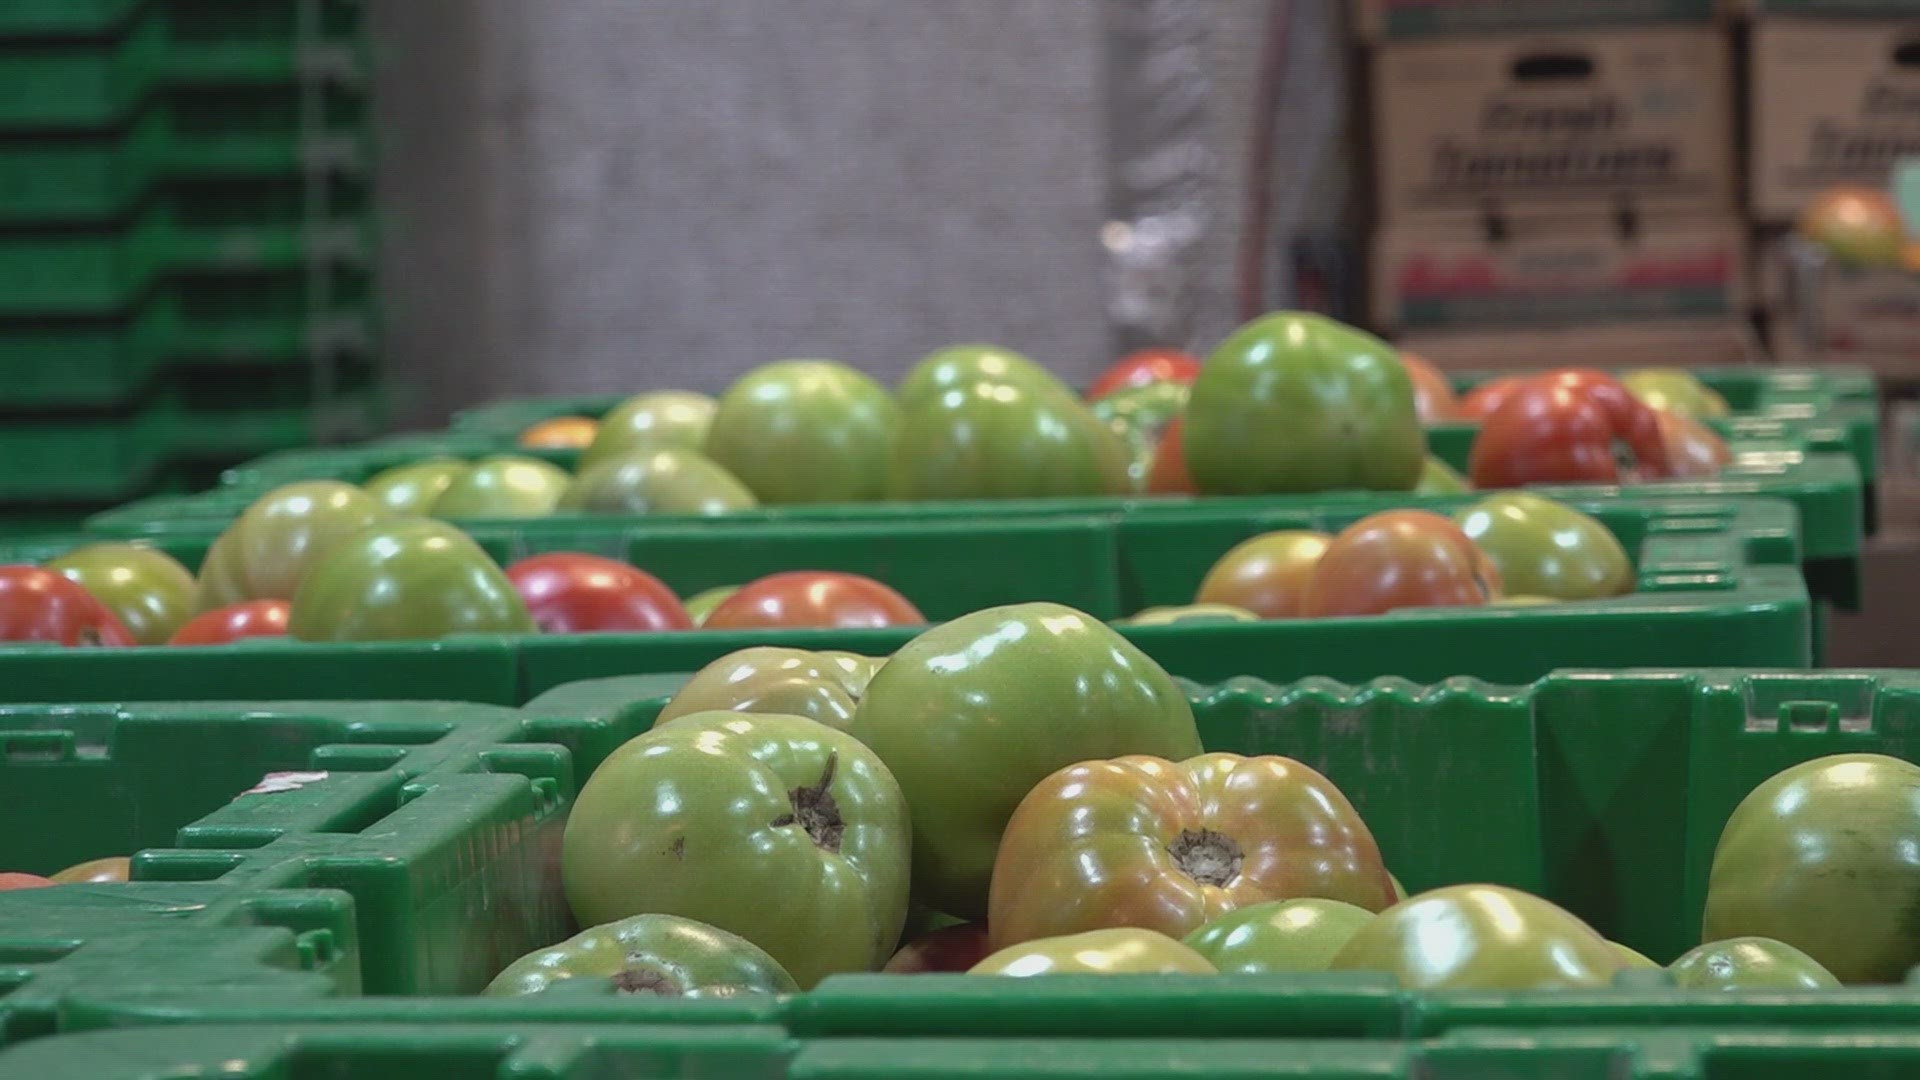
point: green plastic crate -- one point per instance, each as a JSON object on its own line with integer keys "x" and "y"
{"x": 1773, "y": 459}
{"x": 1610, "y": 789}
{"x": 184, "y": 20}
{"x": 102, "y": 457}
{"x": 425, "y": 814}
{"x": 1719, "y": 584}
{"x": 375, "y": 1050}
{"x": 88, "y": 177}
{"x": 80, "y": 84}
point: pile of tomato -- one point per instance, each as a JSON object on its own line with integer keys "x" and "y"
{"x": 1021, "y": 792}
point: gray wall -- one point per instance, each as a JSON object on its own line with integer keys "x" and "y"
{"x": 618, "y": 194}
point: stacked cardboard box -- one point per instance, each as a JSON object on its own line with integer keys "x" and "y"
{"x": 1835, "y": 99}
{"x": 1560, "y": 165}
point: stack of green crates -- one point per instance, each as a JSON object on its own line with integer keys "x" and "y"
{"x": 186, "y": 243}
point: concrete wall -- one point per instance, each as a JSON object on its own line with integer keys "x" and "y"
{"x": 616, "y": 194}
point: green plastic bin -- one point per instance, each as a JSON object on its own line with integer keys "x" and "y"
{"x": 1773, "y": 459}
{"x": 63, "y": 83}
{"x": 1604, "y": 791}
{"x": 1720, "y": 583}
{"x": 101, "y": 457}
{"x": 373, "y": 1050}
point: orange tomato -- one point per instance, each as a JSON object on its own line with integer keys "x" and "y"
{"x": 1693, "y": 448}
{"x": 1433, "y": 396}
{"x": 817, "y": 598}
{"x": 1266, "y": 575}
{"x": 1400, "y": 559}
{"x": 561, "y": 433}
{"x": 1859, "y": 226}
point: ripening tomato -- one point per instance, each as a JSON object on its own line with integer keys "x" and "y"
{"x": 1694, "y": 450}
{"x": 9, "y": 882}
{"x": 1266, "y": 575}
{"x": 1169, "y": 473}
{"x": 818, "y": 598}
{"x": 1568, "y": 427}
{"x": 572, "y": 593}
{"x": 1858, "y": 226}
{"x": 561, "y": 433}
{"x": 108, "y": 871}
{"x": 1145, "y": 367}
{"x": 1400, "y": 559}
{"x": 1160, "y": 845}
{"x": 1488, "y": 396}
{"x": 951, "y": 949}
{"x": 1433, "y": 396}
{"x": 222, "y": 626}
{"x": 44, "y": 605}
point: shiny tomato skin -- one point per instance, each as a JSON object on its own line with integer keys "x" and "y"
{"x": 1400, "y": 559}
{"x": 1694, "y": 450}
{"x": 1433, "y": 395}
{"x": 1144, "y": 367}
{"x": 816, "y": 598}
{"x": 1169, "y": 474}
{"x": 11, "y": 881}
{"x": 573, "y": 593}
{"x": 43, "y": 605}
{"x": 561, "y": 433}
{"x": 1480, "y": 402}
{"x": 223, "y": 626}
{"x": 1565, "y": 428}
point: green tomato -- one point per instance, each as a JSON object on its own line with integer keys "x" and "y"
{"x": 988, "y": 440}
{"x": 1190, "y": 613}
{"x": 405, "y": 580}
{"x": 1633, "y": 958}
{"x": 661, "y": 420}
{"x": 1481, "y": 937}
{"x": 1279, "y": 936}
{"x": 1676, "y": 390}
{"x": 822, "y": 686}
{"x": 1293, "y": 402}
{"x": 1439, "y": 478}
{"x": 663, "y": 955}
{"x": 506, "y": 486}
{"x": 268, "y": 549}
{"x": 960, "y": 366}
{"x": 701, "y": 604}
{"x": 150, "y": 591}
{"x": 806, "y": 431}
{"x": 779, "y": 829}
{"x": 413, "y": 488}
{"x": 1522, "y": 601}
{"x": 1821, "y": 857}
{"x": 1140, "y": 415}
{"x": 1122, "y": 951}
{"x": 658, "y": 482}
{"x": 1750, "y": 963}
{"x": 973, "y": 713}
{"x": 1546, "y": 548}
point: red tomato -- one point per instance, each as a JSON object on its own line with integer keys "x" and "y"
{"x": 1169, "y": 474}
{"x": 1400, "y": 559}
{"x": 814, "y": 598}
{"x": 954, "y": 950}
{"x": 572, "y": 593}
{"x": 9, "y": 882}
{"x": 223, "y": 626}
{"x": 1568, "y": 427}
{"x": 41, "y": 605}
{"x": 1143, "y": 367}
{"x": 1693, "y": 448}
{"x": 1433, "y": 396}
{"x": 1488, "y": 396}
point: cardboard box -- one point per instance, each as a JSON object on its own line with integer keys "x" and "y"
{"x": 1870, "y": 317}
{"x": 1833, "y": 102}
{"x": 1609, "y": 347}
{"x": 1569, "y": 122}
{"x": 1382, "y": 20}
{"x": 1561, "y": 272}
